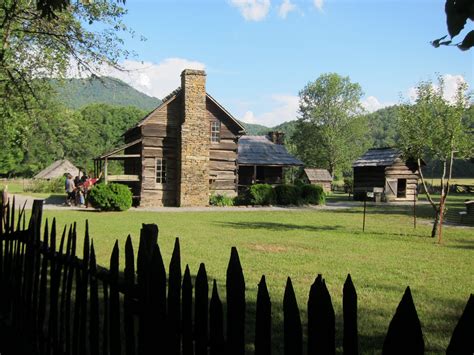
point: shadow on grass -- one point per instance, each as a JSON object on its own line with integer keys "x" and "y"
{"x": 468, "y": 245}
{"x": 275, "y": 226}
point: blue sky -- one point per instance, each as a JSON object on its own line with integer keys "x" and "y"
{"x": 258, "y": 54}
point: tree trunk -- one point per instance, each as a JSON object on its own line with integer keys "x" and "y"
{"x": 434, "y": 231}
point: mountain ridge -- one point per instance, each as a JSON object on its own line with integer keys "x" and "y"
{"x": 77, "y": 93}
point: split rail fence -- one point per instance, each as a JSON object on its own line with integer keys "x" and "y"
{"x": 63, "y": 304}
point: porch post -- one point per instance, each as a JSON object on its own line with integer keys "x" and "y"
{"x": 254, "y": 177}
{"x": 105, "y": 171}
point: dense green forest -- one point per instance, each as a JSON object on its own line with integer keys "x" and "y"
{"x": 77, "y": 93}
{"x": 79, "y": 119}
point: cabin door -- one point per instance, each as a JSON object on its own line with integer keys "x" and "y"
{"x": 390, "y": 189}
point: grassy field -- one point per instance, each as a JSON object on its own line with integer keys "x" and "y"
{"x": 390, "y": 255}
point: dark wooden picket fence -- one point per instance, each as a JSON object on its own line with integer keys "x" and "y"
{"x": 63, "y": 304}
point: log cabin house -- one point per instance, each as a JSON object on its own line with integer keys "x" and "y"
{"x": 384, "y": 173}
{"x": 184, "y": 150}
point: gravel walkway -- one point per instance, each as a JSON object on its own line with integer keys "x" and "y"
{"x": 57, "y": 203}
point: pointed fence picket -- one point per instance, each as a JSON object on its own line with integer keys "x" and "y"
{"x": 69, "y": 305}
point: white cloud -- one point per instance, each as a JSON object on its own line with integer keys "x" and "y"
{"x": 154, "y": 79}
{"x": 285, "y": 109}
{"x": 451, "y": 83}
{"x": 371, "y": 104}
{"x": 318, "y": 4}
{"x": 285, "y": 8}
{"x": 252, "y": 10}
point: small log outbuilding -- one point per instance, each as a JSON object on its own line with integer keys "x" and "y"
{"x": 320, "y": 177}
{"x": 384, "y": 172}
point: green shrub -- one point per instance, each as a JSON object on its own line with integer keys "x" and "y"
{"x": 348, "y": 184}
{"x": 47, "y": 186}
{"x": 221, "y": 200}
{"x": 111, "y": 197}
{"x": 242, "y": 199}
{"x": 288, "y": 194}
{"x": 261, "y": 194}
{"x": 313, "y": 194}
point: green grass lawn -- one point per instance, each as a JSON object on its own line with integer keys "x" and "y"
{"x": 382, "y": 261}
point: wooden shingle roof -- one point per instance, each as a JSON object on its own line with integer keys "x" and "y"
{"x": 58, "y": 169}
{"x": 259, "y": 150}
{"x": 318, "y": 174}
{"x": 378, "y": 157}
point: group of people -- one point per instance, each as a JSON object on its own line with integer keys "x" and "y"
{"x": 77, "y": 189}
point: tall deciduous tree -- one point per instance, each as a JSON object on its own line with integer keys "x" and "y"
{"x": 435, "y": 128}
{"x": 40, "y": 39}
{"x": 331, "y": 132}
{"x": 36, "y": 42}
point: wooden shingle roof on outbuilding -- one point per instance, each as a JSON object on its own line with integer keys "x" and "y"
{"x": 58, "y": 169}
{"x": 320, "y": 175}
{"x": 259, "y": 150}
{"x": 378, "y": 157}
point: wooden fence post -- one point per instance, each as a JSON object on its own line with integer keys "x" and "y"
{"x": 174, "y": 300}
{"x": 187, "y": 312}
{"x": 263, "y": 320}
{"x": 293, "y": 334}
{"x": 70, "y": 277}
{"x": 129, "y": 275}
{"x": 349, "y": 309}
{"x": 462, "y": 341}
{"x": 216, "y": 323}
{"x": 94, "y": 328}
{"x": 148, "y": 240}
{"x": 84, "y": 292}
{"x": 114, "y": 303}
{"x": 157, "y": 308}
{"x": 404, "y": 334}
{"x": 52, "y": 334}
{"x": 201, "y": 312}
{"x": 235, "y": 287}
{"x": 42, "y": 289}
{"x": 321, "y": 319}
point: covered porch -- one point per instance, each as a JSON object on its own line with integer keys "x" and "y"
{"x": 130, "y": 155}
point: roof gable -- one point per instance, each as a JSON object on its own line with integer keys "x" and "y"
{"x": 177, "y": 92}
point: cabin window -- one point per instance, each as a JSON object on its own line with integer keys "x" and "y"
{"x": 161, "y": 171}
{"x": 215, "y": 131}
{"x": 401, "y": 188}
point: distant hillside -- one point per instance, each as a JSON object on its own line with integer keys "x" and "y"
{"x": 77, "y": 93}
{"x": 260, "y": 130}
{"x": 255, "y": 129}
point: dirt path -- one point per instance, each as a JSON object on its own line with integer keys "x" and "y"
{"x": 57, "y": 203}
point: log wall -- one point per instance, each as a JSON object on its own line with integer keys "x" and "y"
{"x": 159, "y": 141}
{"x": 370, "y": 177}
{"x": 223, "y": 155}
{"x": 401, "y": 170}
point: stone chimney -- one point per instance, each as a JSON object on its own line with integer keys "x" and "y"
{"x": 277, "y": 137}
{"x": 194, "y": 141}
